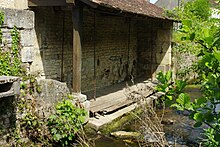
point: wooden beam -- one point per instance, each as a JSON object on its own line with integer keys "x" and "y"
{"x": 70, "y": 1}
{"x": 77, "y": 48}
{"x": 47, "y": 3}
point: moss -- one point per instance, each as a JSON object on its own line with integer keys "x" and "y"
{"x": 120, "y": 122}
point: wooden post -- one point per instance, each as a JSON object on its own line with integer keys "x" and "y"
{"x": 77, "y": 53}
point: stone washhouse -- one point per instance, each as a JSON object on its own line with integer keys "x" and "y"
{"x": 94, "y": 46}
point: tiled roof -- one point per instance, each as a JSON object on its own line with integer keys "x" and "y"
{"x": 139, "y": 7}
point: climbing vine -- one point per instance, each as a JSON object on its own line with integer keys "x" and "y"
{"x": 10, "y": 62}
{"x": 1, "y": 23}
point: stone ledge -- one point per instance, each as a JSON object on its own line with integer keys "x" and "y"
{"x": 9, "y": 86}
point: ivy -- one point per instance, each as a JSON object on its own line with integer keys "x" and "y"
{"x": 1, "y": 23}
{"x": 10, "y": 62}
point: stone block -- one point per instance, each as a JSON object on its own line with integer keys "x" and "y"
{"x": 52, "y": 90}
{"x": 7, "y": 3}
{"x": 22, "y": 19}
{"x": 9, "y": 86}
{"x": 15, "y": 4}
{"x": 80, "y": 97}
{"x": 27, "y": 37}
{"x": 27, "y": 54}
{"x": 37, "y": 64}
{"x": 21, "y": 4}
{"x": 86, "y": 106}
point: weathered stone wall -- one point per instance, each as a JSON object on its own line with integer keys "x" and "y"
{"x": 107, "y": 43}
{"x": 49, "y": 31}
{"x": 9, "y": 89}
{"x": 24, "y": 21}
{"x": 154, "y": 47}
{"x": 14, "y": 4}
{"x": 183, "y": 63}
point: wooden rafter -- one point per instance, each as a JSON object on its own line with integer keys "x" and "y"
{"x": 49, "y": 2}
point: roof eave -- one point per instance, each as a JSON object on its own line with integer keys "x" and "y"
{"x": 101, "y": 5}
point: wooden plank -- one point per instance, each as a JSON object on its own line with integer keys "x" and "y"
{"x": 109, "y": 102}
{"x": 107, "y": 98}
{"x": 114, "y": 97}
{"x": 106, "y": 104}
{"x": 77, "y": 47}
{"x": 111, "y": 106}
{"x": 118, "y": 105}
{"x": 47, "y": 3}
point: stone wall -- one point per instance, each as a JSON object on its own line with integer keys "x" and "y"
{"x": 52, "y": 46}
{"x": 54, "y": 32}
{"x": 9, "y": 89}
{"x": 108, "y": 41}
{"x": 24, "y": 21}
{"x": 154, "y": 47}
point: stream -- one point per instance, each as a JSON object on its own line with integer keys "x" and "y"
{"x": 177, "y": 126}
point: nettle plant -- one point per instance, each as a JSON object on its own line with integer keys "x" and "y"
{"x": 66, "y": 122}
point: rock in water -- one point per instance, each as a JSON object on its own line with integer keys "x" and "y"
{"x": 125, "y": 135}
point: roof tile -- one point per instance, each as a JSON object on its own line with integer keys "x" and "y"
{"x": 140, "y": 7}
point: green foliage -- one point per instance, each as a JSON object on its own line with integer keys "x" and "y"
{"x": 195, "y": 9}
{"x": 169, "y": 87}
{"x": 199, "y": 8}
{"x": 30, "y": 124}
{"x": 66, "y": 122}
{"x": 203, "y": 33}
{"x": 1, "y": 23}
{"x": 10, "y": 62}
{"x": 197, "y": 29}
{"x": 59, "y": 128}
{"x": 183, "y": 102}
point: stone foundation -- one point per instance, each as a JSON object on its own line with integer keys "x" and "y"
{"x": 9, "y": 89}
